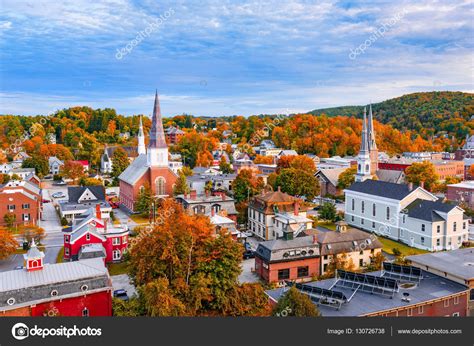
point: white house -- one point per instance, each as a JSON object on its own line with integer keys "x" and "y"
{"x": 410, "y": 215}
{"x": 54, "y": 164}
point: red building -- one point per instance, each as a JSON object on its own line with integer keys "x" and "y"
{"x": 173, "y": 135}
{"x": 22, "y": 199}
{"x": 95, "y": 237}
{"x": 81, "y": 288}
{"x": 287, "y": 259}
{"x": 151, "y": 168}
{"x": 462, "y": 192}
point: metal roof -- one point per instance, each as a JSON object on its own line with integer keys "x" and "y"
{"x": 382, "y": 189}
{"x": 427, "y": 210}
{"x": 135, "y": 170}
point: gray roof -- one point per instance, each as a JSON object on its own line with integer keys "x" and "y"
{"x": 275, "y": 250}
{"x": 382, "y": 189}
{"x": 458, "y": 262}
{"x": 332, "y": 175}
{"x": 362, "y": 303}
{"x": 51, "y": 274}
{"x": 135, "y": 170}
{"x": 390, "y": 176}
{"x": 74, "y": 192}
{"x": 427, "y": 210}
{"x": 288, "y": 153}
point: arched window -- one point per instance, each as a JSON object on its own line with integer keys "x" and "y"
{"x": 199, "y": 209}
{"x": 216, "y": 208}
{"x": 142, "y": 189}
{"x": 160, "y": 186}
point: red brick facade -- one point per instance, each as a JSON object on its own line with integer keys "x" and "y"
{"x": 269, "y": 271}
{"x": 27, "y": 210}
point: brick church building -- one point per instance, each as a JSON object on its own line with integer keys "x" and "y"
{"x": 151, "y": 168}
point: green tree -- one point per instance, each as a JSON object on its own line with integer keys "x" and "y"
{"x": 143, "y": 203}
{"x": 346, "y": 178}
{"x": 131, "y": 308}
{"x": 298, "y": 183}
{"x": 119, "y": 161}
{"x": 295, "y": 303}
{"x": 422, "y": 172}
{"x": 9, "y": 219}
{"x": 328, "y": 212}
{"x": 39, "y": 163}
{"x": 224, "y": 166}
{"x": 181, "y": 185}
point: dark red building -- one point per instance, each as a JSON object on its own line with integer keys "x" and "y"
{"x": 95, "y": 237}
{"x": 22, "y": 199}
{"x": 287, "y": 258}
{"x": 81, "y": 288}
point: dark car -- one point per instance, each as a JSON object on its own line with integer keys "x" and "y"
{"x": 46, "y": 201}
{"x": 121, "y": 294}
{"x": 248, "y": 254}
{"x": 247, "y": 246}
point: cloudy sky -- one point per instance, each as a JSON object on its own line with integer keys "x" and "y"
{"x": 211, "y": 57}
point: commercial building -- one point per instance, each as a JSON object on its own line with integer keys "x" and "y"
{"x": 22, "y": 199}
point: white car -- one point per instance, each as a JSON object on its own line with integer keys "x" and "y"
{"x": 58, "y": 195}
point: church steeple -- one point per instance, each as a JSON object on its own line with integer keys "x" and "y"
{"x": 157, "y": 153}
{"x": 141, "y": 139}
{"x": 371, "y": 131}
{"x": 363, "y": 159}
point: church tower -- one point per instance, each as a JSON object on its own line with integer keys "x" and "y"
{"x": 373, "y": 151}
{"x": 363, "y": 159}
{"x": 141, "y": 139}
{"x": 157, "y": 153}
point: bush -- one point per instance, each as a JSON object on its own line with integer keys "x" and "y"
{"x": 57, "y": 177}
{"x": 396, "y": 252}
{"x": 64, "y": 221}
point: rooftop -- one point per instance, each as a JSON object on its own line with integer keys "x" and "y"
{"x": 428, "y": 210}
{"x": 382, "y": 189}
{"x": 362, "y": 303}
{"x": 458, "y": 262}
{"x": 278, "y": 249}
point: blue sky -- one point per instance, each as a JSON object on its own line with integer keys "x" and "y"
{"x": 211, "y": 57}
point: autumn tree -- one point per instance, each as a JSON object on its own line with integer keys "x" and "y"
{"x": 28, "y": 233}
{"x": 422, "y": 172}
{"x": 303, "y": 163}
{"x": 471, "y": 171}
{"x": 73, "y": 170}
{"x": 285, "y": 161}
{"x": 298, "y": 183}
{"x": 295, "y": 303}
{"x": 376, "y": 261}
{"x": 246, "y": 185}
{"x": 9, "y": 219}
{"x": 339, "y": 261}
{"x": 119, "y": 162}
{"x": 90, "y": 182}
{"x": 8, "y": 244}
{"x": 268, "y": 160}
{"x": 346, "y": 178}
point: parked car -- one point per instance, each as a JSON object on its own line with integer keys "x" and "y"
{"x": 48, "y": 177}
{"x": 247, "y": 246}
{"x": 45, "y": 200}
{"x": 18, "y": 267}
{"x": 111, "y": 193}
{"x": 58, "y": 194}
{"x": 60, "y": 183}
{"x": 121, "y": 294}
{"x": 248, "y": 254}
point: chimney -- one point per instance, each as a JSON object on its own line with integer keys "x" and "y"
{"x": 410, "y": 186}
{"x": 296, "y": 208}
{"x": 98, "y": 213}
{"x": 422, "y": 184}
{"x": 193, "y": 194}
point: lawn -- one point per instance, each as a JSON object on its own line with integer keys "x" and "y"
{"x": 388, "y": 246}
{"x": 60, "y": 257}
{"x": 328, "y": 225}
{"x": 139, "y": 218}
{"x": 118, "y": 268}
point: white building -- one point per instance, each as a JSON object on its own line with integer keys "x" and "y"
{"x": 410, "y": 215}
{"x": 54, "y": 164}
{"x": 105, "y": 162}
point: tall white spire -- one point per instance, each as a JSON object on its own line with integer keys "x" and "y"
{"x": 141, "y": 139}
{"x": 371, "y": 131}
{"x": 363, "y": 159}
{"x": 157, "y": 153}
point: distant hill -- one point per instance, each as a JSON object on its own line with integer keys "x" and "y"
{"x": 428, "y": 113}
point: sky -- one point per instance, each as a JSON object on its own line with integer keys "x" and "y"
{"x": 209, "y": 57}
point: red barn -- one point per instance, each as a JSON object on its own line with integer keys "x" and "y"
{"x": 81, "y": 288}
{"x": 95, "y": 237}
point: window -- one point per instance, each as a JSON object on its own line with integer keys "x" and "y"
{"x": 66, "y": 239}
{"x": 423, "y": 227}
{"x": 85, "y": 312}
{"x": 116, "y": 255}
{"x": 25, "y": 206}
{"x": 438, "y": 242}
{"x": 352, "y": 218}
{"x": 363, "y": 207}
{"x": 88, "y": 236}
{"x": 361, "y": 252}
{"x": 471, "y": 294}
{"x": 410, "y": 312}
{"x": 11, "y": 207}
{"x": 361, "y": 262}
{"x": 446, "y": 303}
{"x": 325, "y": 268}
{"x": 456, "y": 300}
{"x": 361, "y": 220}
{"x": 438, "y": 229}
{"x": 373, "y": 209}
{"x": 388, "y": 213}
{"x": 404, "y": 218}
{"x": 160, "y": 186}
{"x": 353, "y": 204}
{"x": 116, "y": 241}
{"x": 66, "y": 251}
{"x": 463, "y": 225}
{"x": 25, "y": 217}
{"x": 303, "y": 271}
{"x": 454, "y": 226}
{"x": 455, "y": 314}
{"x": 373, "y": 224}
{"x": 420, "y": 310}
{"x": 422, "y": 240}
{"x": 283, "y": 274}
